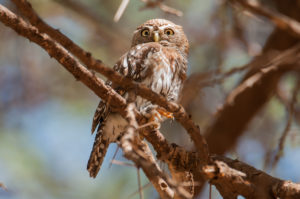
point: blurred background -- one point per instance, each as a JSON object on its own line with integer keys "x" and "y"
{"x": 45, "y": 114}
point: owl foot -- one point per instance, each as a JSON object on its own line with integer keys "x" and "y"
{"x": 155, "y": 119}
{"x": 165, "y": 113}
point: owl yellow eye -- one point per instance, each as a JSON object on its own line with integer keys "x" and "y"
{"x": 145, "y": 33}
{"x": 169, "y": 32}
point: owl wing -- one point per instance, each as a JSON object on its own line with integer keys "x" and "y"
{"x": 132, "y": 65}
{"x": 126, "y": 66}
{"x": 101, "y": 143}
{"x": 101, "y": 113}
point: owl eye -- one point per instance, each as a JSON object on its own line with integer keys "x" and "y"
{"x": 145, "y": 33}
{"x": 169, "y": 32}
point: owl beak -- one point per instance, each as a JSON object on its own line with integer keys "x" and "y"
{"x": 156, "y": 37}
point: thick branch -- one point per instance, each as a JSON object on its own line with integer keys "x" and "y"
{"x": 233, "y": 178}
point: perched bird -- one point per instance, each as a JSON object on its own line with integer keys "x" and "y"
{"x": 157, "y": 59}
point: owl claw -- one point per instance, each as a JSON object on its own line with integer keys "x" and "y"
{"x": 165, "y": 113}
{"x": 155, "y": 119}
{"x": 156, "y": 126}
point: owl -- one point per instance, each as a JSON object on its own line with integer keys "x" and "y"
{"x": 157, "y": 59}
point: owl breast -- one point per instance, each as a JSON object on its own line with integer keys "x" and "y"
{"x": 156, "y": 67}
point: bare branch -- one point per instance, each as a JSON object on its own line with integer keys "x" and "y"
{"x": 232, "y": 178}
{"x": 286, "y": 189}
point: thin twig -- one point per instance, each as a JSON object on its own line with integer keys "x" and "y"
{"x": 114, "y": 156}
{"x": 158, "y": 3}
{"x": 209, "y": 191}
{"x": 121, "y": 10}
{"x": 117, "y": 162}
{"x": 136, "y": 192}
{"x": 149, "y": 124}
{"x": 198, "y": 81}
{"x": 139, "y": 183}
{"x": 170, "y": 10}
{"x": 291, "y": 110}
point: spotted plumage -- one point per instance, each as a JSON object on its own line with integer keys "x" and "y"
{"x": 157, "y": 59}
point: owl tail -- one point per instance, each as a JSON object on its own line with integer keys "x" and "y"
{"x": 98, "y": 153}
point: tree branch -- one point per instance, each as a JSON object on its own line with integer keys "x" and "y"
{"x": 232, "y": 178}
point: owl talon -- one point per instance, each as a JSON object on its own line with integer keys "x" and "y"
{"x": 165, "y": 113}
{"x": 156, "y": 126}
{"x": 155, "y": 119}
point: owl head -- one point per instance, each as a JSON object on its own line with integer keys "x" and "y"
{"x": 163, "y": 31}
